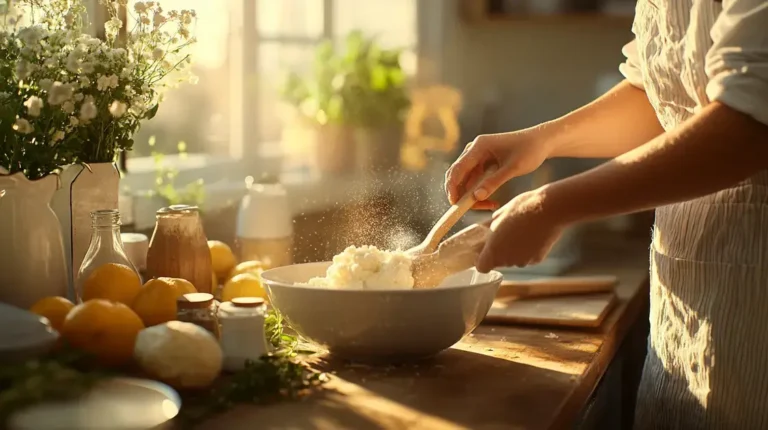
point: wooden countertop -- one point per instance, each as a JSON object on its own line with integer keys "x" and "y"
{"x": 500, "y": 377}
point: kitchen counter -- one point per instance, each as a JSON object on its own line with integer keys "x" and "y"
{"x": 500, "y": 377}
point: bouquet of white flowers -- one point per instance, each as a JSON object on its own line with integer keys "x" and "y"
{"x": 67, "y": 97}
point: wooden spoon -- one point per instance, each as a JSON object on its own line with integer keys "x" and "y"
{"x": 458, "y": 252}
{"x": 450, "y": 218}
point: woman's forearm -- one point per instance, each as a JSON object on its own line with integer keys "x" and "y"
{"x": 617, "y": 122}
{"x": 715, "y": 149}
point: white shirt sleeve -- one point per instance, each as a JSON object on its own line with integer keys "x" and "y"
{"x": 631, "y": 67}
{"x": 737, "y": 63}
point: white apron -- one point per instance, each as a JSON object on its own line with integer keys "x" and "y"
{"x": 707, "y": 364}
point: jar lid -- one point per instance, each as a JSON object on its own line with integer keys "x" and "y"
{"x": 242, "y": 307}
{"x": 194, "y": 301}
{"x": 247, "y": 302}
{"x": 178, "y": 210}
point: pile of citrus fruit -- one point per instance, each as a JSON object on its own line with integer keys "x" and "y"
{"x": 116, "y": 306}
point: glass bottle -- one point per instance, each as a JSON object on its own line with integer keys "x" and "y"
{"x": 106, "y": 246}
{"x": 179, "y": 248}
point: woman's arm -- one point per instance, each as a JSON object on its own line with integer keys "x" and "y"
{"x": 617, "y": 122}
{"x": 716, "y": 149}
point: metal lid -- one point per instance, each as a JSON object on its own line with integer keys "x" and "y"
{"x": 178, "y": 210}
{"x": 247, "y": 302}
{"x": 194, "y": 301}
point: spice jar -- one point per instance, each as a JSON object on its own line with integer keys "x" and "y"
{"x": 242, "y": 331}
{"x": 179, "y": 248}
{"x": 199, "y": 309}
{"x": 106, "y": 247}
{"x": 265, "y": 226}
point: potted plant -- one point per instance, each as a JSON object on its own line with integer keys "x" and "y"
{"x": 86, "y": 97}
{"x": 376, "y": 96}
{"x": 319, "y": 113}
{"x": 355, "y": 96}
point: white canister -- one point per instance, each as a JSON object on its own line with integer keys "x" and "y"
{"x": 242, "y": 331}
{"x": 136, "y": 246}
{"x": 265, "y": 226}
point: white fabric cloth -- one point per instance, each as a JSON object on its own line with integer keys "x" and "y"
{"x": 705, "y": 51}
{"x": 707, "y": 365}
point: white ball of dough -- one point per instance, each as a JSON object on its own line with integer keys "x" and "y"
{"x": 181, "y": 354}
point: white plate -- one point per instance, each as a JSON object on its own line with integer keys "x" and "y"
{"x": 120, "y": 403}
{"x": 23, "y": 335}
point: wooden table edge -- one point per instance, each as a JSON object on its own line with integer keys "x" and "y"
{"x": 574, "y": 405}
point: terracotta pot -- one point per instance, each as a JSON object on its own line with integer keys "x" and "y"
{"x": 378, "y": 150}
{"x": 84, "y": 189}
{"x": 334, "y": 149}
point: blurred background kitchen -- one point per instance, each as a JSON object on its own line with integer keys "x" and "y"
{"x": 356, "y": 109}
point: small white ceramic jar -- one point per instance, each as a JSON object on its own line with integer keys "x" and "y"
{"x": 242, "y": 331}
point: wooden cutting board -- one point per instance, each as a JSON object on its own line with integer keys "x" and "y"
{"x": 556, "y": 286}
{"x": 561, "y": 301}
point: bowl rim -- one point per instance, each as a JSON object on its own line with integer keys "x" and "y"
{"x": 497, "y": 277}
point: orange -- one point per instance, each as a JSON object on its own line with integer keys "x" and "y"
{"x": 243, "y": 285}
{"x": 156, "y": 302}
{"x": 252, "y": 266}
{"x": 222, "y": 258}
{"x": 54, "y": 308}
{"x": 105, "y": 329}
{"x": 116, "y": 282}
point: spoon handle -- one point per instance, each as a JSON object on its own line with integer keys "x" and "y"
{"x": 453, "y": 215}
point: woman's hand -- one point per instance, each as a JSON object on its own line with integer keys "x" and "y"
{"x": 523, "y": 233}
{"x": 515, "y": 154}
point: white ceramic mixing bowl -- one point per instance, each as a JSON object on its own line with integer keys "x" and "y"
{"x": 381, "y": 325}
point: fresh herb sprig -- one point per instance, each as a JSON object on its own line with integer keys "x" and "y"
{"x": 282, "y": 342}
{"x": 266, "y": 380}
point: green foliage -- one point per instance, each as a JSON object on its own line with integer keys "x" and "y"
{"x": 165, "y": 181}
{"x": 362, "y": 85}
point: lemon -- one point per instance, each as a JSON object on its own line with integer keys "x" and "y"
{"x": 222, "y": 258}
{"x": 243, "y": 285}
{"x": 115, "y": 282}
{"x": 104, "y": 329}
{"x": 156, "y": 302}
{"x": 253, "y": 266}
{"x": 54, "y": 308}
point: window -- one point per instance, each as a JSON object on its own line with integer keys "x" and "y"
{"x": 244, "y": 49}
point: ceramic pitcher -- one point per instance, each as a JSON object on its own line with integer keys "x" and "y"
{"x": 32, "y": 263}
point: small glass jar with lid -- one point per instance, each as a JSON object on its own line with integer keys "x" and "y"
{"x": 200, "y": 309}
{"x": 106, "y": 247}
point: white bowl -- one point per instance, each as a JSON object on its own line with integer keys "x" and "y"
{"x": 381, "y": 325}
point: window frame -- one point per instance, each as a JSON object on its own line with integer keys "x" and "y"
{"x": 253, "y": 155}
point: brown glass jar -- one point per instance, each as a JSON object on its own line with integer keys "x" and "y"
{"x": 199, "y": 309}
{"x": 179, "y": 248}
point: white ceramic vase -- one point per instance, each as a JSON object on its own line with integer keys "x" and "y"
{"x": 33, "y": 264}
{"x": 84, "y": 188}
